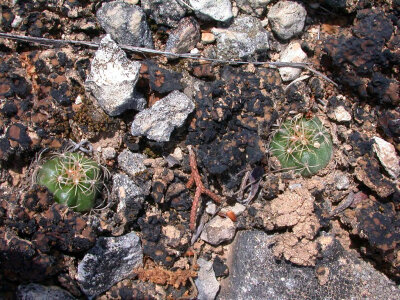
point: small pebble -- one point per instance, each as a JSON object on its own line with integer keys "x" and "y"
{"x": 207, "y": 38}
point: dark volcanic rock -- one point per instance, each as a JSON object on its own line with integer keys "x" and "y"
{"x": 255, "y": 274}
{"x": 378, "y": 224}
{"x": 228, "y": 118}
{"x": 166, "y": 12}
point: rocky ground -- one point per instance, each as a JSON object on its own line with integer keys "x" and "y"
{"x": 167, "y": 128}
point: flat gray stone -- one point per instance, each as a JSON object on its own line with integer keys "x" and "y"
{"x": 206, "y": 283}
{"x": 218, "y": 10}
{"x": 33, "y": 291}
{"x": 387, "y": 156}
{"x": 243, "y": 39}
{"x": 255, "y": 274}
{"x": 126, "y": 23}
{"x": 287, "y": 19}
{"x": 108, "y": 262}
{"x": 158, "y": 122}
{"x": 112, "y": 79}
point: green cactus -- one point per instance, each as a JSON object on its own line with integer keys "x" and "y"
{"x": 302, "y": 145}
{"x": 72, "y": 178}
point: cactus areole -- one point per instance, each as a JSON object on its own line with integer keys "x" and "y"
{"x": 73, "y": 179}
{"x": 302, "y": 145}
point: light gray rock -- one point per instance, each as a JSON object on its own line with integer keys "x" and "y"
{"x": 287, "y": 19}
{"x": 254, "y": 273}
{"x": 387, "y": 156}
{"x": 253, "y": 7}
{"x": 130, "y": 195}
{"x": 126, "y": 23}
{"x": 165, "y": 12}
{"x": 112, "y": 79}
{"x": 218, "y": 230}
{"x": 206, "y": 283}
{"x": 185, "y": 37}
{"x": 33, "y": 291}
{"x": 342, "y": 181}
{"x": 158, "y": 122}
{"x": 243, "y": 39}
{"x": 131, "y": 163}
{"x": 340, "y": 114}
{"x": 292, "y": 53}
{"x": 218, "y": 10}
{"x": 108, "y": 153}
{"x": 108, "y": 262}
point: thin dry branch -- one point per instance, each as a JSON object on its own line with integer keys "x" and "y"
{"x": 200, "y": 189}
{"x": 268, "y": 64}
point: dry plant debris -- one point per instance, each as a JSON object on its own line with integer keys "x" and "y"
{"x": 200, "y": 189}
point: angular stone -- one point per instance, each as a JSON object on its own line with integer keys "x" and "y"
{"x": 158, "y": 122}
{"x": 218, "y": 10}
{"x": 206, "y": 283}
{"x": 341, "y": 114}
{"x": 387, "y": 156}
{"x": 112, "y": 79}
{"x": 287, "y": 19}
{"x": 254, "y": 273}
{"x": 108, "y": 262}
{"x": 218, "y": 230}
{"x": 126, "y": 23}
{"x": 292, "y": 53}
{"x": 243, "y": 39}
{"x": 131, "y": 163}
{"x": 185, "y": 37}
{"x": 165, "y": 12}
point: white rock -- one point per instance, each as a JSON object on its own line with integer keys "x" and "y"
{"x": 211, "y": 208}
{"x": 341, "y": 114}
{"x": 287, "y": 19}
{"x": 218, "y": 230}
{"x": 108, "y": 153}
{"x": 206, "y": 283}
{"x": 292, "y": 53}
{"x": 387, "y": 156}
{"x": 237, "y": 209}
{"x": 112, "y": 79}
{"x": 158, "y": 122}
{"x": 219, "y": 10}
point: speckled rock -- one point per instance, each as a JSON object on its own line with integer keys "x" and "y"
{"x": 253, "y": 7}
{"x": 165, "y": 12}
{"x": 33, "y": 291}
{"x": 112, "y": 79}
{"x": 287, "y": 19}
{"x": 340, "y": 114}
{"x": 109, "y": 261}
{"x": 255, "y": 274}
{"x": 206, "y": 283}
{"x": 126, "y": 23}
{"x": 158, "y": 122}
{"x": 131, "y": 163}
{"x": 218, "y": 10}
{"x": 387, "y": 156}
{"x": 292, "y": 53}
{"x": 185, "y": 37}
{"x": 218, "y": 230}
{"x": 245, "y": 38}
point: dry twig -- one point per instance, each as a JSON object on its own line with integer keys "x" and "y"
{"x": 200, "y": 189}
{"x": 268, "y": 64}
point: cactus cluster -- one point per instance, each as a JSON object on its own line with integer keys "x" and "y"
{"x": 302, "y": 145}
{"x": 73, "y": 179}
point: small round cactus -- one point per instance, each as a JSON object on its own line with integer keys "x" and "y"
{"x": 302, "y": 145}
{"x": 72, "y": 178}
